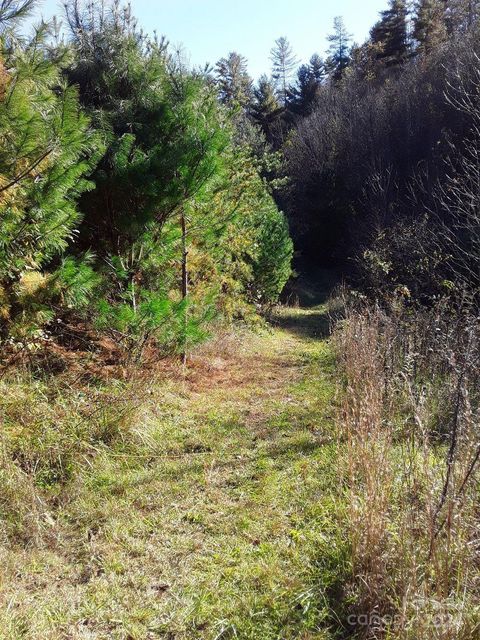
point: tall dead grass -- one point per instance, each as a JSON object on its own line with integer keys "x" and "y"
{"x": 410, "y": 418}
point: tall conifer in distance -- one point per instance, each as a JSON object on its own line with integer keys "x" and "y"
{"x": 283, "y": 66}
{"x": 266, "y": 109}
{"x": 234, "y": 83}
{"x": 309, "y": 80}
{"x": 235, "y": 91}
{"x": 430, "y": 27}
{"x": 339, "y": 49}
{"x": 391, "y": 34}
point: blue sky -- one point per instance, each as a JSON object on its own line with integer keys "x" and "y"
{"x": 209, "y": 29}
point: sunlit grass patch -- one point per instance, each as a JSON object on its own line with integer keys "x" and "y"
{"x": 214, "y": 515}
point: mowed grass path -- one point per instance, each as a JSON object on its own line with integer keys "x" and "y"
{"x": 214, "y": 519}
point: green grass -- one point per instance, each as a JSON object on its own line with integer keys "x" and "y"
{"x": 216, "y": 516}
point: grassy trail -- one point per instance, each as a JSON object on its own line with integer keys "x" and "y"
{"x": 215, "y": 523}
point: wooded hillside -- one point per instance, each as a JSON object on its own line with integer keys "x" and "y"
{"x": 239, "y": 332}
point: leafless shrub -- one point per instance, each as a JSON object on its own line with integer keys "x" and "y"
{"x": 456, "y": 198}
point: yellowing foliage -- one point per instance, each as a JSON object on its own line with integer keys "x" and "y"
{"x": 4, "y": 304}
{"x": 4, "y": 80}
{"x": 32, "y": 283}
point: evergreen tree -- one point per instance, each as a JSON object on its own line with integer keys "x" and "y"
{"x": 316, "y": 68}
{"x": 43, "y": 159}
{"x": 391, "y": 34}
{"x": 266, "y": 109}
{"x": 148, "y": 108}
{"x": 240, "y": 239}
{"x": 234, "y": 83}
{"x": 156, "y": 204}
{"x": 235, "y": 89}
{"x": 339, "y": 49}
{"x": 165, "y": 136}
{"x": 309, "y": 80}
{"x": 283, "y": 66}
{"x": 430, "y": 28}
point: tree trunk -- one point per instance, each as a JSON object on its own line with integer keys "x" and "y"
{"x": 183, "y": 223}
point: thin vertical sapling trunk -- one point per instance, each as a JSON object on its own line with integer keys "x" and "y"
{"x": 183, "y": 223}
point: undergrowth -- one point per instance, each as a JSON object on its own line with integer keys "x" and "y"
{"x": 409, "y": 420}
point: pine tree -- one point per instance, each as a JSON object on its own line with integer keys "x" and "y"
{"x": 161, "y": 188}
{"x": 430, "y": 27}
{"x": 283, "y": 65}
{"x": 316, "y": 67}
{"x": 391, "y": 34}
{"x": 152, "y": 112}
{"x": 339, "y": 56}
{"x": 165, "y": 138}
{"x": 43, "y": 159}
{"x": 309, "y": 80}
{"x": 235, "y": 89}
{"x": 266, "y": 109}
{"x": 239, "y": 237}
{"x": 234, "y": 83}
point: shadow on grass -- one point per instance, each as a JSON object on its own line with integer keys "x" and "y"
{"x": 306, "y": 324}
{"x": 304, "y": 313}
{"x": 310, "y": 289}
{"x": 293, "y": 449}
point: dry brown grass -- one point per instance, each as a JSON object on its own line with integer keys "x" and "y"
{"x": 410, "y": 417}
